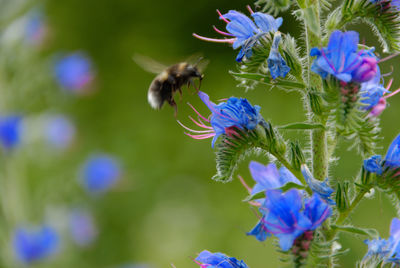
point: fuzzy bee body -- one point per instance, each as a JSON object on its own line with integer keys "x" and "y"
{"x": 168, "y": 82}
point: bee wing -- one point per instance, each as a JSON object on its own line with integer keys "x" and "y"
{"x": 148, "y": 64}
{"x": 198, "y": 60}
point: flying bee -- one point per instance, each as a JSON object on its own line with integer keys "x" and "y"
{"x": 169, "y": 80}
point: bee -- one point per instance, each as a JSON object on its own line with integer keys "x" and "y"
{"x": 169, "y": 80}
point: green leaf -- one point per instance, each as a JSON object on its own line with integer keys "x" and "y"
{"x": 256, "y": 196}
{"x": 311, "y": 19}
{"x": 296, "y": 126}
{"x": 372, "y": 233}
{"x": 265, "y": 79}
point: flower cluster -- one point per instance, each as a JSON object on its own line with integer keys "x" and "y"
{"x": 31, "y": 245}
{"x": 386, "y": 250}
{"x": 392, "y": 159}
{"x": 342, "y": 59}
{"x": 206, "y": 259}
{"x": 74, "y": 72}
{"x": 100, "y": 173}
{"x": 10, "y": 131}
{"x": 244, "y": 31}
{"x": 235, "y": 112}
{"x": 284, "y": 216}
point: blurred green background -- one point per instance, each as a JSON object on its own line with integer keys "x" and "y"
{"x": 166, "y": 209}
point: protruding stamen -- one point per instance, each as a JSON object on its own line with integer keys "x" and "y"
{"x": 222, "y": 17}
{"x": 389, "y": 84}
{"x": 391, "y": 94}
{"x": 221, "y": 32}
{"x": 194, "y": 131}
{"x": 194, "y": 109}
{"x": 248, "y": 188}
{"x": 249, "y": 9}
{"x": 200, "y": 124}
{"x": 200, "y": 137}
{"x": 388, "y": 57}
{"x": 216, "y": 40}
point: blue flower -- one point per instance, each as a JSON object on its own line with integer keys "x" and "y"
{"x": 374, "y": 164}
{"x": 342, "y": 60}
{"x": 35, "y": 29}
{"x": 387, "y": 250}
{"x": 240, "y": 26}
{"x": 266, "y": 23}
{"x": 10, "y": 131}
{"x": 319, "y": 187}
{"x": 100, "y": 173}
{"x": 82, "y": 227}
{"x": 74, "y": 71}
{"x": 276, "y": 64}
{"x": 235, "y": 112}
{"x": 60, "y": 132}
{"x": 206, "y": 259}
{"x": 31, "y": 245}
{"x": 243, "y": 31}
{"x": 392, "y": 158}
{"x": 268, "y": 177}
{"x": 283, "y": 216}
{"x": 317, "y": 211}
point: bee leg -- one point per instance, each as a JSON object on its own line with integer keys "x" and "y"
{"x": 180, "y": 94}
{"x": 173, "y": 104}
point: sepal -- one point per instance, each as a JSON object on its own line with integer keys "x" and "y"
{"x": 342, "y": 196}
{"x": 274, "y": 6}
{"x": 296, "y": 155}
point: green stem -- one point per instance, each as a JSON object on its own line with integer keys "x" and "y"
{"x": 344, "y": 214}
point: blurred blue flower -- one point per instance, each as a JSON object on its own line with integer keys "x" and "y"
{"x": 243, "y": 32}
{"x": 60, "y": 132}
{"x": 276, "y": 64}
{"x": 283, "y": 216}
{"x": 269, "y": 177}
{"x": 10, "y": 131}
{"x": 342, "y": 60}
{"x": 74, "y": 71}
{"x": 100, "y": 173}
{"x": 319, "y": 187}
{"x": 35, "y": 29}
{"x": 82, "y": 227}
{"x": 31, "y": 245}
{"x": 218, "y": 260}
{"x": 392, "y": 158}
{"x": 374, "y": 164}
{"x": 235, "y": 112}
{"x": 386, "y": 250}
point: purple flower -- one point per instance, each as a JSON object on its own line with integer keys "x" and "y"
{"x": 374, "y": 164}
{"x": 206, "y": 259}
{"x": 235, "y": 112}
{"x": 319, "y": 187}
{"x": 386, "y": 250}
{"x": 276, "y": 64}
{"x": 60, "y": 132}
{"x": 269, "y": 177}
{"x": 342, "y": 60}
{"x": 100, "y": 173}
{"x": 283, "y": 216}
{"x": 74, "y": 71}
{"x": 10, "y": 131}
{"x": 31, "y": 245}
{"x": 243, "y": 31}
{"x": 82, "y": 227}
{"x": 392, "y": 158}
